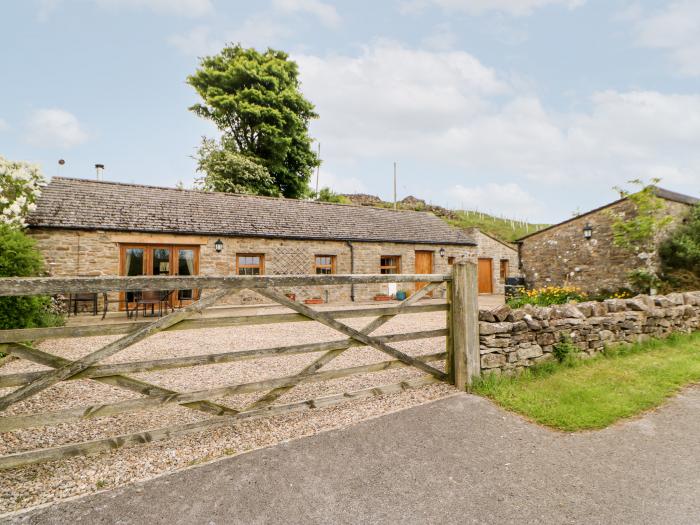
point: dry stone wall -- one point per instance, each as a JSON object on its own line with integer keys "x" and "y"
{"x": 515, "y": 339}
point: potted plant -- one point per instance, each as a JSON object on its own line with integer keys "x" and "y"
{"x": 290, "y": 295}
{"x": 313, "y": 300}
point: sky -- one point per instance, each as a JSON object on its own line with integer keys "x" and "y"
{"x": 531, "y": 109}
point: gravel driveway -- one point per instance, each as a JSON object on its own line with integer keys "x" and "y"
{"x": 28, "y": 486}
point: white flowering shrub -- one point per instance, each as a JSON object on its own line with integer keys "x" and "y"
{"x": 20, "y": 187}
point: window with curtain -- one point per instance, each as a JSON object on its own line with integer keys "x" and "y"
{"x": 389, "y": 264}
{"x": 324, "y": 264}
{"x": 250, "y": 263}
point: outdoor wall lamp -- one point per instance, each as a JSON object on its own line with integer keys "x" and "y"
{"x": 588, "y": 231}
{"x": 218, "y": 245}
{"x": 442, "y": 252}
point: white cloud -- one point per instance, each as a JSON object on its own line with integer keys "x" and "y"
{"x": 390, "y": 95}
{"x": 186, "y": 8}
{"x": 675, "y": 29}
{"x": 54, "y": 128}
{"x": 477, "y": 7}
{"x": 448, "y": 110}
{"x": 199, "y": 41}
{"x": 189, "y": 8}
{"x": 337, "y": 183}
{"x": 499, "y": 199}
{"x": 326, "y": 13}
{"x": 257, "y": 31}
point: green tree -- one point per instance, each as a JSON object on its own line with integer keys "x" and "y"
{"x": 639, "y": 231}
{"x": 328, "y": 195}
{"x": 20, "y": 258}
{"x": 681, "y": 249}
{"x": 226, "y": 170}
{"x": 255, "y": 100}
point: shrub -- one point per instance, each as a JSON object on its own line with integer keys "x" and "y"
{"x": 20, "y": 258}
{"x": 681, "y": 249}
{"x": 547, "y": 296}
{"x": 565, "y": 350}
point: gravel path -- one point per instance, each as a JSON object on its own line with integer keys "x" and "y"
{"x": 29, "y": 486}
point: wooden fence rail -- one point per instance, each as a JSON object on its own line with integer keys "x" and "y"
{"x": 461, "y": 355}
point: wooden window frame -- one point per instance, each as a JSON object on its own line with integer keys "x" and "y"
{"x": 451, "y": 260}
{"x": 260, "y": 266}
{"x": 330, "y": 266}
{"x": 397, "y": 266}
{"x": 148, "y": 262}
{"x": 504, "y": 264}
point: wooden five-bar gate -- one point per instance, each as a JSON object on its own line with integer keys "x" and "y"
{"x": 461, "y": 353}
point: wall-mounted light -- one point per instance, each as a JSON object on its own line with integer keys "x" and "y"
{"x": 442, "y": 252}
{"x": 218, "y": 245}
{"x": 588, "y": 231}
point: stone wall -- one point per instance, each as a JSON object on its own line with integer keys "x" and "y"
{"x": 561, "y": 255}
{"x": 491, "y": 248}
{"x": 96, "y": 253}
{"x": 515, "y": 339}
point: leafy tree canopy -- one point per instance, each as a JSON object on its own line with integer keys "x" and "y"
{"x": 20, "y": 258}
{"x": 328, "y": 195}
{"x": 226, "y": 170}
{"x": 638, "y": 232}
{"x": 681, "y": 249}
{"x": 255, "y": 100}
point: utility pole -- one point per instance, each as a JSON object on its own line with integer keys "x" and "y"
{"x": 318, "y": 168}
{"x": 394, "y": 185}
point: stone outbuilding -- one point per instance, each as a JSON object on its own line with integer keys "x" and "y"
{"x": 580, "y": 251}
{"x": 497, "y": 260}
{"x": 95, "y": 228}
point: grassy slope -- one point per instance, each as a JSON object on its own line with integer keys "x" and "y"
{"x": 501, "y": 228}
{"x": 594, "y": 393}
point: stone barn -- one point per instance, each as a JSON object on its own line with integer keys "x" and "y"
{"x": 580, "y": 251}
{"x": 497, "y": 261}
{"x": 95, "y": 228}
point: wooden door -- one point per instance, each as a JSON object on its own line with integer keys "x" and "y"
{"x": 485, "y": 275}
{"x": 424, "y": 264}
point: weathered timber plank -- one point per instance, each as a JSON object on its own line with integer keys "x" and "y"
{"x": 19, "y": 379}
{"x": 34, "y": 334}
{"x": 319, "y": 363}
{"x": 64, "y": 372}
{"x": 465, "y": 324}
{"x": 156, "y": 400}
{"x": 128, "y": 383}
{"x": 15, "y": 286}
{"x": 351, "y": 332}
{"x": 104, "y": 445}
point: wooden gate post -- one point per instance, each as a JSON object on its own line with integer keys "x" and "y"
{"x": 465, "y": 324}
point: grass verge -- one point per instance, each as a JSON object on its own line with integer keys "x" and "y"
{"x": 594, "y": 393}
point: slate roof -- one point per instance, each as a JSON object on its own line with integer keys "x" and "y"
{"x": 659, "y": 192}
{"x": 100, "y": 205}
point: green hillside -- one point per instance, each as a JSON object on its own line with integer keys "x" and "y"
{"x": 506, "y": 229}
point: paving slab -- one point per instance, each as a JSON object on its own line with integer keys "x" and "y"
{"x": 457, "y": 460}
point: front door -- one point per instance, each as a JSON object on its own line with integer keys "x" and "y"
{"x": 424, "y": 264}
{"x": 160, "y": 260}
{"x": 485, "y": 275}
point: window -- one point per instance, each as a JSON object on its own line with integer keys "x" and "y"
{"x": 324, "y": 264}
{"x": 171, "y": 259}
{"x": 504, "y": 269}
{"x": 450, "y": 260}
{"x": 389, "y": 264}
{"x": 250, "y": 264}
